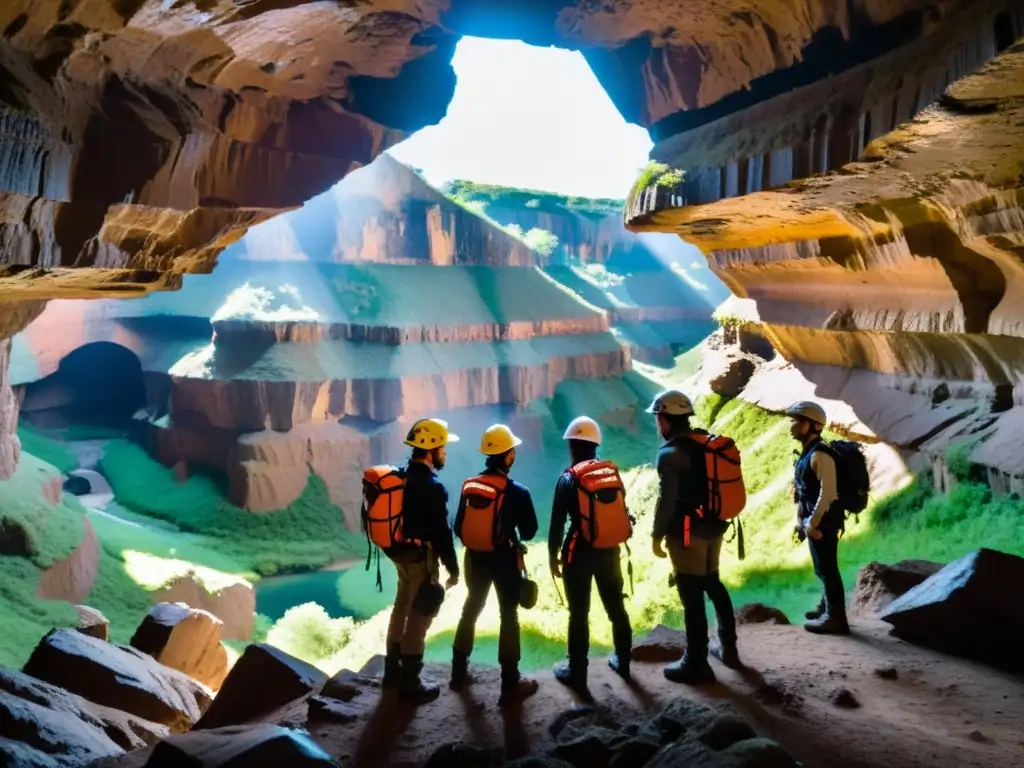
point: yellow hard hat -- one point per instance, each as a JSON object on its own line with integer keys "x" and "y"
{"x": 498, "y": 439}
{"x": 429, "y": 434}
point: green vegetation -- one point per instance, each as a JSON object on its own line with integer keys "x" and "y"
{"x": 656, "y": 174}
{"x": 163, "y": 528}
{"x": 308, "y": 533}
{"x": 913, "y": 523}
{"x": 36, "y": 535}
{"x": 486, "y": 195}
{"x": 51, "y": 451}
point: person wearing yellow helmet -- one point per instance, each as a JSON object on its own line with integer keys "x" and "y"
{"x": 417, "y": 541}
{"x": 591, "y": 497}
{"x": 495, "y": 514}
{"x": 820, "y": 515}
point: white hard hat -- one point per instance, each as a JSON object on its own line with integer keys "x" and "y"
{"x": 810, "y": 411}
{"x": 583, "y": 428}
{"x": 671, "y": 402}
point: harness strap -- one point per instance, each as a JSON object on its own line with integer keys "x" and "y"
{"x": 629, "y": 567}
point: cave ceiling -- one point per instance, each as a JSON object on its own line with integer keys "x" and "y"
{"x": 141, "y": 137}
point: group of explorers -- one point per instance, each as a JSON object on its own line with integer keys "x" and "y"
{"x": 701, "y": 494}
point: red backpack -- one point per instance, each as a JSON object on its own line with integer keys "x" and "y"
{"x": 481, "y": 517}
{"x": 605, "y": 521}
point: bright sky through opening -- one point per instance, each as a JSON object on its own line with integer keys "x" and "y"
{"x": 529, "y": 117}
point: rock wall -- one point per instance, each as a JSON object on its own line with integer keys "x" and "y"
{"x": 894, "y": 285}
{"x": 153, "y": 135}
{"x": 13, "y": 317}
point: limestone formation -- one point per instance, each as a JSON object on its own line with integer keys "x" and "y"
{"x": 144, "y": 137}
{"x": 92, "y": 622}
{"x": 233, "y": 604}
{"x": 964, "y": 609}
{"x": 898, "y": 274}
{"x": 184, "y": 639}
{"x": 72, "y": 578}
{"x": 118, "y": 677}
{"x": 262, "y": 683}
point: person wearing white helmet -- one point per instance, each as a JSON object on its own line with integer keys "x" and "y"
{"x": 427, "y": 536}
{"x": 580, "y": 560}
{"x": 694, "y": 543}
{"x": 495, "y": 515}
{"x": 820, "y": 516}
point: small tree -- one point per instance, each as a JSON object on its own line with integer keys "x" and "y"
{"x": 541, "y": 240}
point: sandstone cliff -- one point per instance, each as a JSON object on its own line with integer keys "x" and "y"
{"x": 894, "y": 284}
{"x": 152, "y": 135}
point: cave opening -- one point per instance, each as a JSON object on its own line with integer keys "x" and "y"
{"x": 1004, "y": 33}
{"x": 100, "y": 384}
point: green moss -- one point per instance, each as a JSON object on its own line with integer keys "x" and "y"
{"x": 656, "y": 174}
{"x": 50, "y": 532}
{"x": 51, "y": 451}
{"x": 308, "y": 533}
{"x": 480, "y": 196}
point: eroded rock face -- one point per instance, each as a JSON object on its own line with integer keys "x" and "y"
{"x": 72, "y": 578}
{"x": 899, "y": 274}
{"x": 118, "y": 677}
{"x": 234, "y": 605}
{"x": 132, "y": 122}
{"x": 184, "y": 639}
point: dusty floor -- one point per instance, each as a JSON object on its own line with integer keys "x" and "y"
{"x": 937, "y": 712}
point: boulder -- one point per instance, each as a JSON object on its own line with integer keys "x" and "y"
{"x": 53, "y": 732}
{"x": 263, "y": 681}
{"x": 461, "y": 755}
{"x": 759, "y": 613}
{"x": 879, "y": 584}
{"x": 729, "y": 375}
{"x": 660, "y": 644}
{"x": 119, "y": 677}
{"x": 967, "y": 609}
{"x": 696, "y": 734}
{"x": 593, "y": 746}
{"x": 72, "y": 578}
{"x": 234, "y": 604}
{"x": 125, "y": 730}
{"x": 92, "y": 622}
{"x": 184, "y": 639}
{"x": 77, "y": 486}
{"x": 254, "y": 746}
{"x": 15, "y": 754}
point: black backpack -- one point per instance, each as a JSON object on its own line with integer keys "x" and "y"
{"x": 852, "y": 478}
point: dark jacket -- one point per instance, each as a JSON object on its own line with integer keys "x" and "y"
{"x": 564, "y": 506}
{"x": 682, "y": 488}
{"x": 807, "y": 487}
{"x": 518, "y": 518}
{"x": 425, "y": 513}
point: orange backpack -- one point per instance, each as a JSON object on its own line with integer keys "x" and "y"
{"x": 483, "y": 496}
{"x": 383, "y": 494}
{"x": 605, "y": 521}
{"x": 726, "y": 493}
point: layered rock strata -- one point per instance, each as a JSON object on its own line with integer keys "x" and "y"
{"x": 894, "y": 284}
{"x": 161, "y": 108}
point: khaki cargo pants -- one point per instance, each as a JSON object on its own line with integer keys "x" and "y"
{"x": 700, "y": 558}
{"x": 407, "y": 627}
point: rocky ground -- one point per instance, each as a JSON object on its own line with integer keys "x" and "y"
{"x": 868, "y": 699}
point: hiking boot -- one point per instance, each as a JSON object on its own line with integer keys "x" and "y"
{"x": 460, "y": 672}
{"x": 619, "y": 665}
{"x": 828, "y": 625}
{"x": 690, "y": 672}
{"x": 817, "y": 613}
{"x": 392, "y": 666}
{"x": 728, "y": 654}
{"x": 412, "y": 686}
{"x": 569, "y": 675}
{"x": 515, "y": 687}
